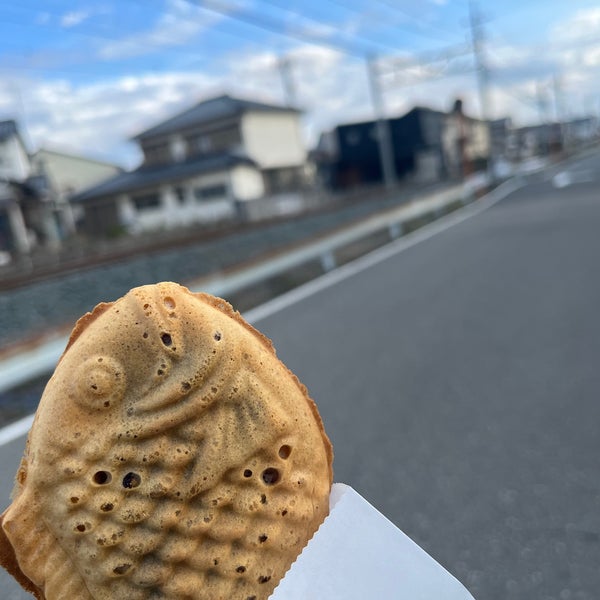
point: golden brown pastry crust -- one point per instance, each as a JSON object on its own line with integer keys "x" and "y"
{"x": 9, "y": 561}
{"x": 172, "y": 456}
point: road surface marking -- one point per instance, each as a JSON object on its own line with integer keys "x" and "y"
{"x": 380, "y": 254}
{"x": 15, "y": 430}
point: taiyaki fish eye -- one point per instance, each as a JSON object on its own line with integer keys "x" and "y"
{"x": 100, "y": 380}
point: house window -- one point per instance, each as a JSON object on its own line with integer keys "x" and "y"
{"x": 204, "y": 144}
{"x": 157, "y": 154}
{"x": 180, "y": 194}
{"x": 178, "y": 149}
{"x": 146, "y": 201}
{"x": 211, "y": 192}
{"x": 200, "y": 144}
{"x": 221, "y": 140}
{"x": 226, "y": 139}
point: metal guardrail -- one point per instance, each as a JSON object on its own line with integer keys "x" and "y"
{"x": 35, "y": 362}
{"x": 323, "y": 248}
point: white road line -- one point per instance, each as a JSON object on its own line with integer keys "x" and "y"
{"x": 21, "y": 368}
{"x": 379, "y": 255}
{"x": 16, "y": 430}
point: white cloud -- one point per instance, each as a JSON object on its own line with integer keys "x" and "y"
{"x": 583, "y": 24}
{"x": 73, "y": 18}
{"x": 181, "y": 22}
{"x": 591, "y": 56}
{"x": 98, "y": 119}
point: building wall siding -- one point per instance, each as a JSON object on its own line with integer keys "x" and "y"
{"x": 14, "y": 162}
{"x": 247, "y": 183}
{"x": 273, "y": 140}
{"x": 69, "y": 174}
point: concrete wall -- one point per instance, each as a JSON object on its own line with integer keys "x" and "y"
{"x": 247, "y": 183}
{"x": 273, "y": 139}
{"x": 176, "y": 210}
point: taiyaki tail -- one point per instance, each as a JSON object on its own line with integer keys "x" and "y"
{"x": 40, "y": 553}
{"x": 9, "y": 561}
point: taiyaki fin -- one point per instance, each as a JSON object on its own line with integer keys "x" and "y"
{"x": 9, "y": 561}
{"x": 84, "y": 321}
{"x": 226, "y": 308}
{"x": 38, "y": 553}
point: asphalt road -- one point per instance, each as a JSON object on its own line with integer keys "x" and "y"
{"x": 458, "y": 381}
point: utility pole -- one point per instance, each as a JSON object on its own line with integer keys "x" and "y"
{"x": 559, "y": 112}
{"x": 384, "y": 138}
{"x": 542, "y": 101}
{"x": 558, "y": 98}
{"x": 284, "y": 64}
{"x": 482, "y": 73}
{"x": 481, "y": 70}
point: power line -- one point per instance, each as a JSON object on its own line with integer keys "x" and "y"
{"x": 281, "y": 28}
{"x": 276, "y": 26}
{"x": 319, "y": 23}
{"x": 428, "y": 57}
{"x": 402, "y": 26}
{"x": 393, "y": 6}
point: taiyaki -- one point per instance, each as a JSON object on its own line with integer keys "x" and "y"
{"x": 172, "y": 456}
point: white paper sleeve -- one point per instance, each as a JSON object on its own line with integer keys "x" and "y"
{"x": 358, "y": 554}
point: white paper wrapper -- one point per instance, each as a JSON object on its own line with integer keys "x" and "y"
{"x": 358, "y": 554}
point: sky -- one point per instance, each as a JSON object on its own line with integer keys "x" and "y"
{"x": 84, "y": 77}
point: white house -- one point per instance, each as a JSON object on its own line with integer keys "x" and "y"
{"x": 26, "y": 208}
{"x": 202, "y": 165}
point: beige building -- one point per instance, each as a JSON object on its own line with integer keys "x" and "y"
{"x": 69, "y": 173}
{"x": 66, "y": 174}
{"x": 466, "y": 143}
{"x": 203, "y": 165}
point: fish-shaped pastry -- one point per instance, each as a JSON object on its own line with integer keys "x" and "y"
{"x": 172, "y": 456}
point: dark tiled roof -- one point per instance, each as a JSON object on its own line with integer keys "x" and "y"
{"x": 208, "y": 111}
{"x": 7, "y": 128}
{"x": 149, "y": 176}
